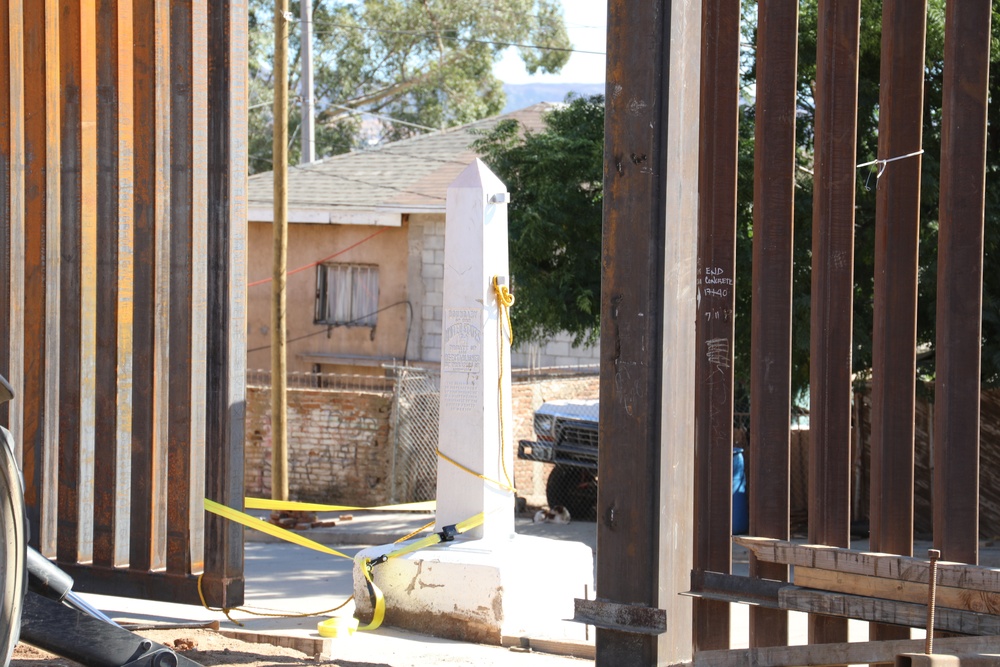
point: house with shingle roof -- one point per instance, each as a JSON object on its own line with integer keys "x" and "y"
{"x": 366, "y": 256}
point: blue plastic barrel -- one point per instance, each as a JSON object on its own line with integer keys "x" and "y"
{"x": 741, "y": 506}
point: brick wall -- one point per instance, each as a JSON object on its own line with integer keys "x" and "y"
{"x": 340, "y": 442}
{"x": 339, "y": 445}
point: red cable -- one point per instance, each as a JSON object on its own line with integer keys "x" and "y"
{"x": 318, "y": 262}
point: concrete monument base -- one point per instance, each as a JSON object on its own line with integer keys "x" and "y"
{"x": 482, "y": 590}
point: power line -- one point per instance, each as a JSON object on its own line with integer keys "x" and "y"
{"x": 320, "y": 261}
{"x": 328, "y": 327}
{"x": 383, "y": 117}
{"x": 468, "y": 40}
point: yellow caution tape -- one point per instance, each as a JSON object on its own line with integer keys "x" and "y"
{"x": 269, "y": 528}
{"x": 293, "y": 506}
{"x": 337, "y": 626}
{"x": 377, "y": 598}
{"x": 375, "y": 593}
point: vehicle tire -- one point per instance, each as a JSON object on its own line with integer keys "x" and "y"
{"x": 13, "y": 548}
{"x": 575, "y": 489}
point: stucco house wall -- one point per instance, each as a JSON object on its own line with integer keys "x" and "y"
{"x": 351, "y": 349}
{"x": 384, "y": 207}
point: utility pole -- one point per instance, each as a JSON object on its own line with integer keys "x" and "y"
{"x": 279, "y": 153}
{"x": 308, "y": 103}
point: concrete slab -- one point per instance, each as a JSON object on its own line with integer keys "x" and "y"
{"x": 286, "y": 578}
{"x": 482, "y": 590}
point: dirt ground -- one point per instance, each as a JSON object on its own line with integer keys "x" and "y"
{"x": 206, "y": 647}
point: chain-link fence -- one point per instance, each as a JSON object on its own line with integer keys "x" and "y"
{"x": 541, "y": 479}
{"x": 415, "y": 439}
{"x": 333, "y": 381}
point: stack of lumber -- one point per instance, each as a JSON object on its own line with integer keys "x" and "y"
{"x": 875, "y": 587}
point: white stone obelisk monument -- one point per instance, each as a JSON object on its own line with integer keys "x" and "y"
{"x": 488, "y": 582}
{"x": 475, "y": 360}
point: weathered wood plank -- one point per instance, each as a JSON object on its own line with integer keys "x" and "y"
{"x": 878, "y": 610}
{"x": 896, "y": 589}
{"x": 938, "y": 660}
{"x": 631, "y": 618}
{"x": 958, "y": 575}
{"x": 824, "y": 655}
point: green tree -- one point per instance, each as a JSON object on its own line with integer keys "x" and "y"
{"x": 556, "y": 178}
{"x": 426, "y": 62}
{"x": 553, "y": 187}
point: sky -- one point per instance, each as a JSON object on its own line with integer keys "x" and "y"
{"x": 586, "y": 22}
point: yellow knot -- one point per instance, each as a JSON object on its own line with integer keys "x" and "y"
{"x": 504, "y": 301}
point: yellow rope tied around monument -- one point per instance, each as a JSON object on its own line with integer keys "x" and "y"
{"x": 498, "y": 484}
{"x": 504, "y": 301}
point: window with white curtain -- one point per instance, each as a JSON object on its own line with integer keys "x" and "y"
{"x": 347, "y": 294}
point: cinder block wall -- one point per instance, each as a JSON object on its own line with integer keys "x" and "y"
{"x": 338, "y": 441}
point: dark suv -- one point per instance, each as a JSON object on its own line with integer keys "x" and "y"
{"x": 566, "y": 433}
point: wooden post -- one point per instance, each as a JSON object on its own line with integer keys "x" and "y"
{"x": 279, "y": 376}
{"x": 307, "y": 123}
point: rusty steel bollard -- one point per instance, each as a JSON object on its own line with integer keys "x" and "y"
{"x": 934, "y": 555}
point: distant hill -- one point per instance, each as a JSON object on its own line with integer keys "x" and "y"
{"x": 523, "y": 95}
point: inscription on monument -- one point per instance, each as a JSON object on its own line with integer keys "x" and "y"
{"x": 461, "y": 359}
